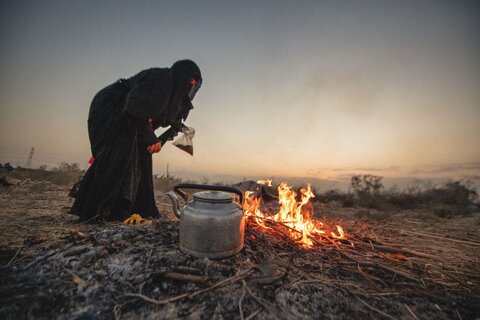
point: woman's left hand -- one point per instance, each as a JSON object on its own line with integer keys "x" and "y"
{"x": 155, "y": 148}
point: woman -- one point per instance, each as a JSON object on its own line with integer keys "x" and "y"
{"x": 121, "y": 124}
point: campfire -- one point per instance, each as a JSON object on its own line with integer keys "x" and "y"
{"x": 292, "y": 216}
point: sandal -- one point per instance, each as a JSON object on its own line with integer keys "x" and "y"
{"x": 136, "y": 219}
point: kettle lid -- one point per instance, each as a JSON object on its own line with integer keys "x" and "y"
{"x": 213, "y": 196}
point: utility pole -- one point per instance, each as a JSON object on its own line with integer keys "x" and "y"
{"x": 30, "y": 157}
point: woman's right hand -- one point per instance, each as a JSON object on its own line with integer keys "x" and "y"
{"x": 154, "y": 148}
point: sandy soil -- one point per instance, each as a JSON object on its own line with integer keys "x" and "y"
{"x": 34, "y": 215}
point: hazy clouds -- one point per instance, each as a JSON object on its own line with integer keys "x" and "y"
{"x": 372, "y": 86}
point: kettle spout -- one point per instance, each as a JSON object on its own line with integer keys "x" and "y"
{"x": 176, "y": 206}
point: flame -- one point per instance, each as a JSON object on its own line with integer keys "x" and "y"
{"x": 296, "y": 217}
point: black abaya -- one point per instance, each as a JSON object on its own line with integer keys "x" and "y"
{"x": 119, "y": 182}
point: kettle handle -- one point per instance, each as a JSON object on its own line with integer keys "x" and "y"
{"x": 184, "y": 195}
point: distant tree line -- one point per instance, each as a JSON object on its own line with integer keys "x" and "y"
{"x": 368, "y": 191}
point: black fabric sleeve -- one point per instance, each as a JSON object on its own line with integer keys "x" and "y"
{"x": 148, "y": 99}
{"x": 147, "y": 133}
{"x": 157, "y": 124}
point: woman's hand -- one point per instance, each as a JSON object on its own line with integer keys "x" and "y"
{"x": 154, "y": 148}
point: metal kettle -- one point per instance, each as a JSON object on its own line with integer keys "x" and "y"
{"x": 212, "y": 225}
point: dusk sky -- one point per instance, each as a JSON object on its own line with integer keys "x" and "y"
{"x": 320, "y": 89}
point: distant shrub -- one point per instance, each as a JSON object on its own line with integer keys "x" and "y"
{"x": 67, "y": 167}
{"x": 366, "y": 185}
{"x": 345, "y": 199}
{"x": 454, "y": 193}
{"x": 403, "y": 200}
{"x": 367, "y": 191}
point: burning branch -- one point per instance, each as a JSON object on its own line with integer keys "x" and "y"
{"x": 294, "y": 218}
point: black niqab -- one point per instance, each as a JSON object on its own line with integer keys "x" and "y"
{"x": 183, "y": 72}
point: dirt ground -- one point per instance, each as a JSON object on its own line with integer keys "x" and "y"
{"x": 54, "y": 267}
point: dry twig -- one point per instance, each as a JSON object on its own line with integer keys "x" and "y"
{"x": 185, "y": 277}
{"x": 224, "y": 282}
{"x": 386, "y": 315}
{"x": 13, "y": 258}
{"x": 254, "y": 314}
{"x": 47, "y": 256}
{"x": 241, "y": 299}
{"x": 117, "y": 309}
{"x": 263, "y": 303}
{"x": 411, "y": 312}
{"x": 427, "y": 235}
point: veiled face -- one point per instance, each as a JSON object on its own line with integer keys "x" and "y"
{"x": 194, "y": 89}
{"x": 187, "y": 80}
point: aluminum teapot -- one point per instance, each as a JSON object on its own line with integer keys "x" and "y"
{"x": 212, "y": 224}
